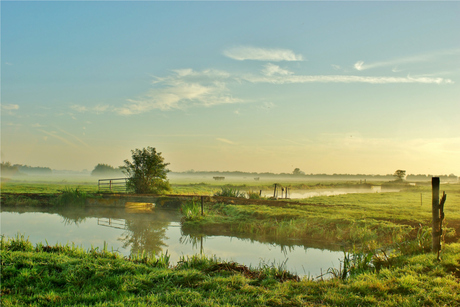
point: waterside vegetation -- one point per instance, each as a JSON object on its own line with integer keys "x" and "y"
{"x": 64, "y": 275}
{"x": 368, "y": 220}
{"x": 385, "y": 239}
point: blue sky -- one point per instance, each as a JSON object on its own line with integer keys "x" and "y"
{"x": 329, "y": 87}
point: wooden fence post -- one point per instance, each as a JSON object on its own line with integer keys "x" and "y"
{"x": 436, "y": 233}
{"x": 202, "y": 205}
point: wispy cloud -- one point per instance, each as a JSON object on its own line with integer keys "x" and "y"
{"x": 59, "y": 136}
{"x": 62, "y": 139}
{"x": 261, "y": 54}
{"x": 10, "y": 107}
{"x": 79, "y": 108}
{"x": 185, "y": 88}
{"x": 75, "y": 137}
{"x": 276, "y": 79}
{"x": 272, "y": 69}
{"x": 360, "y": 65}
{"x": 96, "y": 109}
{"x": 225, "y": 141}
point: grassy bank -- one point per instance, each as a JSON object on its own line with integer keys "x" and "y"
{"x": 371, "y": 220}
{"x": 69, "y": 276}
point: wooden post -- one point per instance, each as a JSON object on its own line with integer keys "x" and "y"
{"x": 202, "y": 205}
{"x": 436, "y": 235}
{"x": 441, "y": 212}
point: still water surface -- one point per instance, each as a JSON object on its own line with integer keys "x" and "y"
{"x": 299, "y": 194}
{"x": 156, "y": 231}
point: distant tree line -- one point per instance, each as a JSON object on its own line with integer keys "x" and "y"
{"x": 9, "y": 169}
{"x": 300, "y": 174}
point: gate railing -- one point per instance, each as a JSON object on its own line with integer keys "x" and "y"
{"x": 112, "y": 185}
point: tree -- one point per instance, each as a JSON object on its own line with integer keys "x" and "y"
{"x": 8, "y": 170}
{"x": 297, "y": 171}
{"x": 401, "y": 174}
{"x": 147, "y": 173}
{"x": 105, "y": 170}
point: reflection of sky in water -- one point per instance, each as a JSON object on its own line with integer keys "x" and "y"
{"x": 51, "y": 227}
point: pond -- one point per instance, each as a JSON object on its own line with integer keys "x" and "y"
{"x": 128, "y": 231}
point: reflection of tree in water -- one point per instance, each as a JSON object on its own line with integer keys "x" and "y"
{"x": 72, "y": 215}
{"x": 195, "y": 241}
{"x": 145, "y": 232}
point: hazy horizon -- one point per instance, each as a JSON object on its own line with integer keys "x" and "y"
{"x": 327, "y": 87}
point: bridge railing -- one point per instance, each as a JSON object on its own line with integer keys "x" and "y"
{"x": 114, "y": 185}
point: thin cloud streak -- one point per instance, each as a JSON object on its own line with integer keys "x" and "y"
{"x": 10, "y": 107}
{"x": 96, "y": 109}
{"x": 262, "y": 54}
{"x": 62, "y": 139}
{"x": 226, "y": 141}
{"x": 75, "y": 137}
{"x": 343, "y": 79}
{"x": 360, "y": 66}
{"x": 272, "y": 69}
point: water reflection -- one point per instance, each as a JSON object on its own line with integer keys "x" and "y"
{"x": 131, "y": 232}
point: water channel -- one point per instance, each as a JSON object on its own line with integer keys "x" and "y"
{"x": 154, "y": 230}
{"x": 300, "y": 194}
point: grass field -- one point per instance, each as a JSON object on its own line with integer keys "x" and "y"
{"x": 387, "y": 263}
{"x": 67, "y": 276}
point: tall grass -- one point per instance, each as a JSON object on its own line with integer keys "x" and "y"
{"x": 253, "y": 195}
{"x": 70, "y": 197}
{"x": 191, "y": 210}
{"x": 229, "y": 192}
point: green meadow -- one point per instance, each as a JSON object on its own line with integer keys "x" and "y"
{"x": 385, "y": 237}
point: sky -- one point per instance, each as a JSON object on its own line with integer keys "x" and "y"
{"x": 327, "y": 87}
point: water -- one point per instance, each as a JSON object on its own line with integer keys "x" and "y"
{"x": 128, "y": 231}
{"x": 299, "y": 194}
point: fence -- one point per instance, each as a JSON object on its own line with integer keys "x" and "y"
{"x": 113, "y": 223}
{"x": 116, "y": 185}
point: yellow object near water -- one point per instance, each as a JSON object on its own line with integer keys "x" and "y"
{"x": 132, "y": 207}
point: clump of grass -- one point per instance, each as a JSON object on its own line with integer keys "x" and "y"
{"x": 161, "y": 261}
{"x": 253, "y": 195}
{"x": 16, "y": 244}
{"x": 229, "y": 192}
{"x": 191, "y": 210}
{"x": 70, "y": 197}
{"x": 354, "y": 263}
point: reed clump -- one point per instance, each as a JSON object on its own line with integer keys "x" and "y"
{"x": 70, "y": 197}
{"x": 228, "y": 191}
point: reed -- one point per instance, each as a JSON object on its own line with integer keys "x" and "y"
{"x": 227, "y": 191}
{"x": 70, "y": 197}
